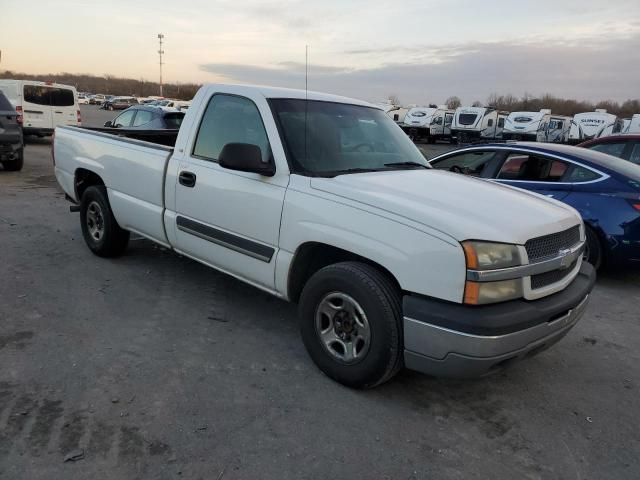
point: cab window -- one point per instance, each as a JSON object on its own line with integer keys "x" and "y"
{"x": 468, "y": 163}
{"x": 529, "y": 168}
{"x": 230, "y": 119}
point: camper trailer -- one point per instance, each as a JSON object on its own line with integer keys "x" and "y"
{"x": 477, "y": 123}
{"x": 397, "y": 114}
{"x": 430, "y": 123}
{"x": 589, "y": 125}
{"x": 632, "y": 125}
{"x": 536, "y": 127}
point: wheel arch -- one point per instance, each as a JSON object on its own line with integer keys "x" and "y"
{"x": 83, "y": 179}
{"x": 312, "y": 256}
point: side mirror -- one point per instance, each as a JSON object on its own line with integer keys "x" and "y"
{"x": 245, "y": 157}
{"x": 108, "y": 124}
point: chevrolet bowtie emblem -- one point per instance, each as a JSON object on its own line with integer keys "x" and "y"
{"x": 565, "y": 258}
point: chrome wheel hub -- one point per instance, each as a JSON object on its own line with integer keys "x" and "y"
{"x": 342, "y": 328}
{"x": 95, "y": 221}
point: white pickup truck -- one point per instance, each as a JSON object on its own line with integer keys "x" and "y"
{"x": 324, "y": 201}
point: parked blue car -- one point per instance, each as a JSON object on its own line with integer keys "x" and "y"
{"x": 604, "y": 189}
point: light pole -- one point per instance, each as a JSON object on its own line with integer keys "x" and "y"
{"x": 160, "y": 52}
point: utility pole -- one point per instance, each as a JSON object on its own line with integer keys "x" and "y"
{"x": 160, "y": 52}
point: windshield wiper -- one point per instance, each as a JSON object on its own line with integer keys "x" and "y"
{"x": 406, "y": 164}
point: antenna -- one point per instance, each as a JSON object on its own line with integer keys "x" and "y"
{"x": 306, "y": 96}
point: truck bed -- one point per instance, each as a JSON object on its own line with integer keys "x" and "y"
{"x": 133, "y": 172}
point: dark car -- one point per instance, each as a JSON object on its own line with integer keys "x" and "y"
{"x": 120, "y": 103}
{"x": 147, "y": 118}
{"x": 604, "y": 189}
{"x": 626, "y": 147}
{"x": 11, "y": 140}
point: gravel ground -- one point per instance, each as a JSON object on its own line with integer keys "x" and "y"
{"x": 154, "y": 366}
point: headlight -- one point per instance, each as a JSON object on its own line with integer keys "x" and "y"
{"x": 490, "y": 256}
{"x": 480, "y": 293}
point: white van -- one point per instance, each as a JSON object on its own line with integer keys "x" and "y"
{"x": 42, "y": 105}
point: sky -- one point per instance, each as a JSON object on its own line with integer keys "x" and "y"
{"x": 420, "y": 51}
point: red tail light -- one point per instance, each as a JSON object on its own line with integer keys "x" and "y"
{"x": 79, "y": 117}
{"x": 635, "y": 204}
{"x": 20, "y": 117}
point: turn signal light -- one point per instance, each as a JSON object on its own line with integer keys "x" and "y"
{"x": 20, "y": 117}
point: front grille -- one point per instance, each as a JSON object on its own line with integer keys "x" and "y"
{"x": 550, "y": 245}
{"x": 549, "y": 278}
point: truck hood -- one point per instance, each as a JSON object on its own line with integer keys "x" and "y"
{"x": 461, "y": 207}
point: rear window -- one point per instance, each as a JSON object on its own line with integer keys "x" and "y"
{"x": 5, "y": 104}
{"x": 61, "y": 97}
{"x": 611, "y": 148}
{"x": 174, "y": 120}
{"x": 37, "y": 95}
{"x": 467, "y": 118}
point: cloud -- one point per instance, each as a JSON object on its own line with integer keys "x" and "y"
{"x": 593, "y": 69}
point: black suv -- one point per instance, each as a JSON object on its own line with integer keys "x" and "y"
{"x": 11, "y": 142}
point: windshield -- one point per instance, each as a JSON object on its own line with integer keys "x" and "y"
{"x": 342, "y": 138}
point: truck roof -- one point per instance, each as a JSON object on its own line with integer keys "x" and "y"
{"x": 277, "y": 92}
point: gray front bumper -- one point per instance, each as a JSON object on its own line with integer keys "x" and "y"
{"x": 447, "y": 353}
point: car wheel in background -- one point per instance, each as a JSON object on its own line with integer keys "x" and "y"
{"x": 351, "y": 324}
{"x": 16, "y": 164}
{"x": 593, "y": 252}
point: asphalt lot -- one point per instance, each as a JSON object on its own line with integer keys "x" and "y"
{"x": 158, "y": 367}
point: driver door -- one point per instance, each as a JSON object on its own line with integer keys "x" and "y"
{"x": 225, "y": 218}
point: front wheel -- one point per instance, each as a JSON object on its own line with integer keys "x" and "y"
{"x": 351, "y": 324}
{"x": 100, "y": 230}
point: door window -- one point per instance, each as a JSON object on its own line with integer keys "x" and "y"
{"x": 581, "y": 174}
{"x": 469, "y": 163}
{"x": 501, "y": 122}
{"x": 124, "y": 119}
{"x": 610, "y": 148}
{"x": 530, "y": 168}
{"x": 230, "y": 119}
{"x": 635, "y": 154}
{"x": 62, "y": 97}
{"x": 490, "y": 122}
{"x": 143, "y": 117}
{"x": 38, "y": 95}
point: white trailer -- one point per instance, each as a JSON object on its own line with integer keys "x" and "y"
{"x": 397, "y": 114}
{"x": 589, "y": 125}
{"x": 631, "y": 125}
{"x": 477, "y": 123}
{"x": 536, "y": 127}
{"x": 431, "y": 123}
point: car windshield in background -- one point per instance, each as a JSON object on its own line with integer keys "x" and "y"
{"x": 467, "y": 118}
{"x": 174, "y": 120}
{"x": 325, "y": 138}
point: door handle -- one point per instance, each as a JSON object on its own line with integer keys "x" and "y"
{"x": 187, "y": 179}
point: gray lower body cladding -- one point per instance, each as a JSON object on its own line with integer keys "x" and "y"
{"x": 452, "y": 340}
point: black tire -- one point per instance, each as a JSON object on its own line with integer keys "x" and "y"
{"x": 16, "y": 164}
{"x": 380, "y": 301}
{"x": 594, "y": 254}
{"x": 95, "y": 210}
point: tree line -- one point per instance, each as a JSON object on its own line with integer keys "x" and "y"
{"x": 112, "y": 85}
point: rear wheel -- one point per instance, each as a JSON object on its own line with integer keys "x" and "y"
{"x": 351, "y": 324}
{"x": 100, "y": 229}
{"x": 593, "y": 252}
{"x": 17, "y": 163}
